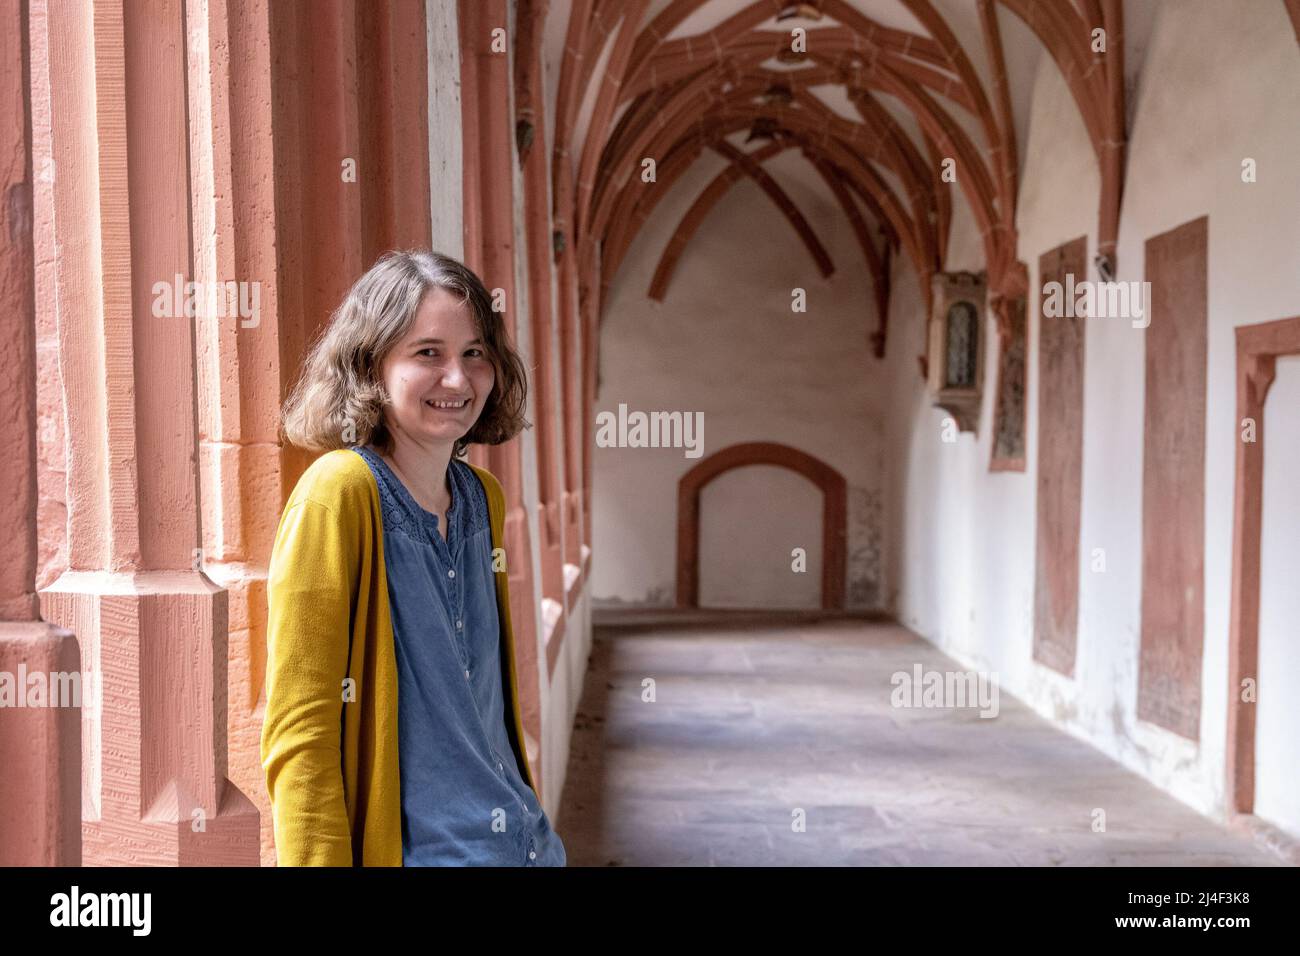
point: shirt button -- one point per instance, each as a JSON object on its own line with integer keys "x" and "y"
{"x": 467, "y": 674}
{"x": 451, "y": 572}
{"x": 532, "y": 854}
{"x": 500, "y": 765}
{"x": 458, "y": 625}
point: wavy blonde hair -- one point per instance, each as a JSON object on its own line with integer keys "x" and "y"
{"x": 340, "y": 389}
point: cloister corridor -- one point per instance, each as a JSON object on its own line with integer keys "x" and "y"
{"x": 875, "y": 439}
{"x": 758, "y": 715}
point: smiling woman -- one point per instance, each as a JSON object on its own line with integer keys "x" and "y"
{"x": 388, "y": 312}
{"x": 438, "y": 379}
{"x": 389, "y": 619}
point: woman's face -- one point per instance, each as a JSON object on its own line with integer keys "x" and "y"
{"x": 441, "y": 359}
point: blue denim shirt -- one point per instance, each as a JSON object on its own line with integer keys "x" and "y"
{"x": 464, "y": 798}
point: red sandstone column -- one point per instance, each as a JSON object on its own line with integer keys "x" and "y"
{"x": 572, "y": 392}
{"x": 40, "y": 746}
{"x": 319, "y": 210}
{"x": 537, "y": 213}
{"x": 490, "y": 252}
{"x": 153, "y": 626}
{"x": 589, "y": 306}
{"x": 51, "y": 451}
{"x": 232, "y": 187}
{"x": 568, "y": 99}
{"x": 393, "y": 114}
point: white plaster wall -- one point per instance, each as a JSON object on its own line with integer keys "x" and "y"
{"x": 1220, "y": 81}
{"x": 446, "y": 143}
{"x": 963, "y": 537}
{"x": 753, "y": 551}
{"x": 726, "y": 343}
{"x": 566, "y": 694}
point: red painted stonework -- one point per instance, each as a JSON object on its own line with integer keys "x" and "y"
{"x": 530, "y": 118}
{"x": 146, "y": 615}
{"x": 40, "y": 747}
{"x": 1009, "y": 399}
{"x": 1173, "y": 483}
{"x": 1060, "y": 467}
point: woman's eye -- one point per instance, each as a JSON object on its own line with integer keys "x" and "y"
{"x": 431, "y": 351}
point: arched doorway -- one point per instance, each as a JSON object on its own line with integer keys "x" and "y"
{"x": 834, "y": 513}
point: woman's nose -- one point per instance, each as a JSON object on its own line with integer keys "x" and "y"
{"x": 453, "y": 375}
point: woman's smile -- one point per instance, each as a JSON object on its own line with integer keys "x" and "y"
{"x": 448, "y": 407}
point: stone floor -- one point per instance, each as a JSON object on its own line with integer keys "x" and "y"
{"x": 757, "y": 716}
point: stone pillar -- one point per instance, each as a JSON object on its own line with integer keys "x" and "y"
{"x": 153, "y": 626}
{"x": 232, "y": 195}
{"x": 319, "y": 218}
{"x": 490, "y": 251}
{"x": 40, "y": 740}
{"x": 571, "y": 391}
{"x": 571, "y": 395}
{"x": 531, "y": 122}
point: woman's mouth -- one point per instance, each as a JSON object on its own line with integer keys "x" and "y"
{"x": 446, "y": 406}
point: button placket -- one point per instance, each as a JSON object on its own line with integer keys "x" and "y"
{"x": 453, "y": 571}
{"x": 461, "y": 530}
{"x": 454, "y": 604}
{"x": 445, "y": 549}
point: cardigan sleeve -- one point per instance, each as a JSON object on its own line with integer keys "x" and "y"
{"x": 310, "y": 587}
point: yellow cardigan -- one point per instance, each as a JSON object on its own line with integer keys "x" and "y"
{"x": 329, "y": 737}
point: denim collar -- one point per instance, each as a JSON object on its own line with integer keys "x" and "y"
{"x": 467, "y": 512}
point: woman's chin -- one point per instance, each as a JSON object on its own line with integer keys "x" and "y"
{"x": 450, "y": 431}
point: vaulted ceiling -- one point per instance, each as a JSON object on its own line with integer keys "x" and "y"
{"x": 901, "y": 107}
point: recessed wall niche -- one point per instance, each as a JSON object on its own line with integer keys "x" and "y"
{"x": 956, "y": 346}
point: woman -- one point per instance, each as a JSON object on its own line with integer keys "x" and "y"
{"x": 389, "y": 633}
